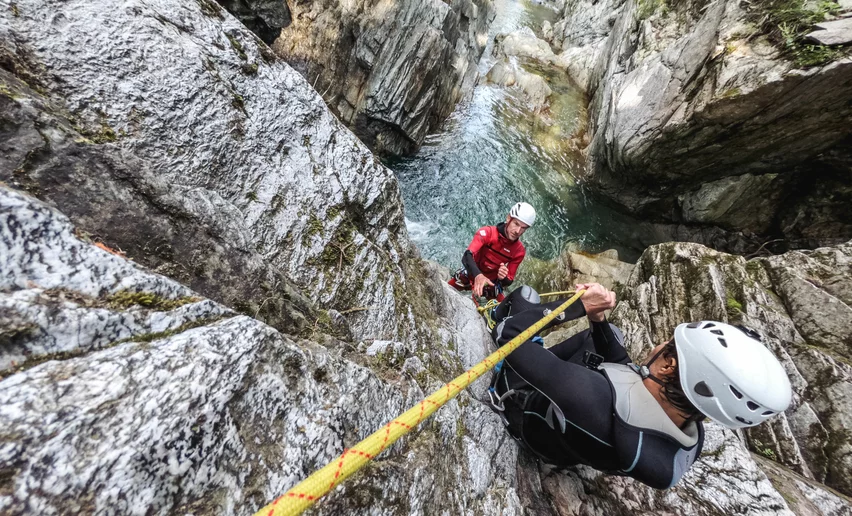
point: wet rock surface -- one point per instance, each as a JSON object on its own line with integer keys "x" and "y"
{"x": 392, "y": 71}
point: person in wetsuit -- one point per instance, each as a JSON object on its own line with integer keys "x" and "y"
{"x": 642, "y": 421}
{"x": 493, "y": 256}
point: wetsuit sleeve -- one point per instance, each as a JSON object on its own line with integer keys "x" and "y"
{"x": 469, "y": 258}
{"x": 470, "y": 266}
{"x": 607, "y": 344}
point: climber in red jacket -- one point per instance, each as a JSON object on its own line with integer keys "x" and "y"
{"x": 493, "y": 256}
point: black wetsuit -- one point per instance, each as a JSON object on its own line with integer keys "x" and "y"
{"x": 564, "y": 412}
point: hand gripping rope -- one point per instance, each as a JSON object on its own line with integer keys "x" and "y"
{"x": 308, "y": 491}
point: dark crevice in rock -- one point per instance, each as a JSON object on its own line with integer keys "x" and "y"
{"x": 265, "y": 18}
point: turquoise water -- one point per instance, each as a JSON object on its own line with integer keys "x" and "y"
{"x": 494, "y": 151}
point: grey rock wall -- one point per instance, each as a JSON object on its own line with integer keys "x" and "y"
{"x": 798, "y": 302}
{"x": 265, "y": 18}
{"x": 179, "y": 106}
{"x": 198, "y": 410}
{"x": 392, "y": 71}
{"x": 697, "y": 118}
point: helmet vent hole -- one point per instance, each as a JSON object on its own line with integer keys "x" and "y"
{"x": 744, "y": 421}
{"x": 694, "y": 324}
{"x": 717, "y": 332}
{"x": 722, "y": 342}
{"x": 708, "y": 325}
{"x": 702, "y": 389}
{"x": 767, "y": 413}
{"x": 752, "y": 406}
{"x": 737, "y": 393}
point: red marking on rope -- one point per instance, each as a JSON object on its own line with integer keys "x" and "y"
{"x": 448, "y": 393}
{"x": 456, "y": 386}
{"x": 339, "y": 469}
{"x": 432, "y": 402}
{"x": 387, "y": 434}
{"x": 422, "y": 409}
{"x": 488, "y": 362}
{"x": 301, "y": 496}
{"x": 363, "y": 454}
{"x": 401, "y": 423}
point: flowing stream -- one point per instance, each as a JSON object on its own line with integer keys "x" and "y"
{"x": 494, "y": 151}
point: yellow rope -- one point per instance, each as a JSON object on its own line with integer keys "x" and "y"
{"x": 308, "y": 491}
{"x": 564, "y": 292}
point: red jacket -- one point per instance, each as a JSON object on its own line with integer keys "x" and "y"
{"x": 490, "y": 248}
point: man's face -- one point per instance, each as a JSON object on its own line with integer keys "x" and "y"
{"x": 514, "y": 228}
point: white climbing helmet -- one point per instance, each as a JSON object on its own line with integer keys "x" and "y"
{"x": 523, "y": 212}
{"x": 729, "y": 375}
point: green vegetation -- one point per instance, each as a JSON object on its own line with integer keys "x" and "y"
{"x": 252, "y": 196}
{"x": 250, "y": 68}
{"x": 314, "y": 226}
{"x": 238, "y": 47}
{"x": 734, "y": 307}
{"x": 150, "y": 337}
{"x": 239, "y": 102}
{"x": 767, "y": 452}
{"x": 730, "y": 93}
{"x": 125, "y": 299}
{"x": 210, "y": 8}
{"x": 14, "y": 8}
{"x": 649, "y": 7}
{"x": 105, "y": 134}
{"x": 787, "y": 22}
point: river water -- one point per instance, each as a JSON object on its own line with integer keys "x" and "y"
{"x": 495, "y": 151}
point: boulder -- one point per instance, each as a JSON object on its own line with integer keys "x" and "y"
{"x": 509, "y": 74}
{"x": 699, "y": 116}
{"x": 837, "y": 32}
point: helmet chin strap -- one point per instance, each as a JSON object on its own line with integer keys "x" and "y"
{"x": 645, "y": 370}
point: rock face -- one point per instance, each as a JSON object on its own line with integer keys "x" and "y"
{"x": 265, "y": 18}
{"x": 194, "y": 409}
{"x": 697, "y": 118}
{"x": 799, "y": 302}
{"x": 183, "y": 115}
{"x": 522, "y": 44}
{"x": 392, "y": 71}
{"x": 205, "y": 189}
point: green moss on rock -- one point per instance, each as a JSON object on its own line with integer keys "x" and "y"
{"x": 237, "y": 46}
{"x": 126, "y": 299}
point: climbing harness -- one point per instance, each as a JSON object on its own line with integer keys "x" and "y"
{"x": 308, "y": 491}
{"x": 487, "y": 310}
